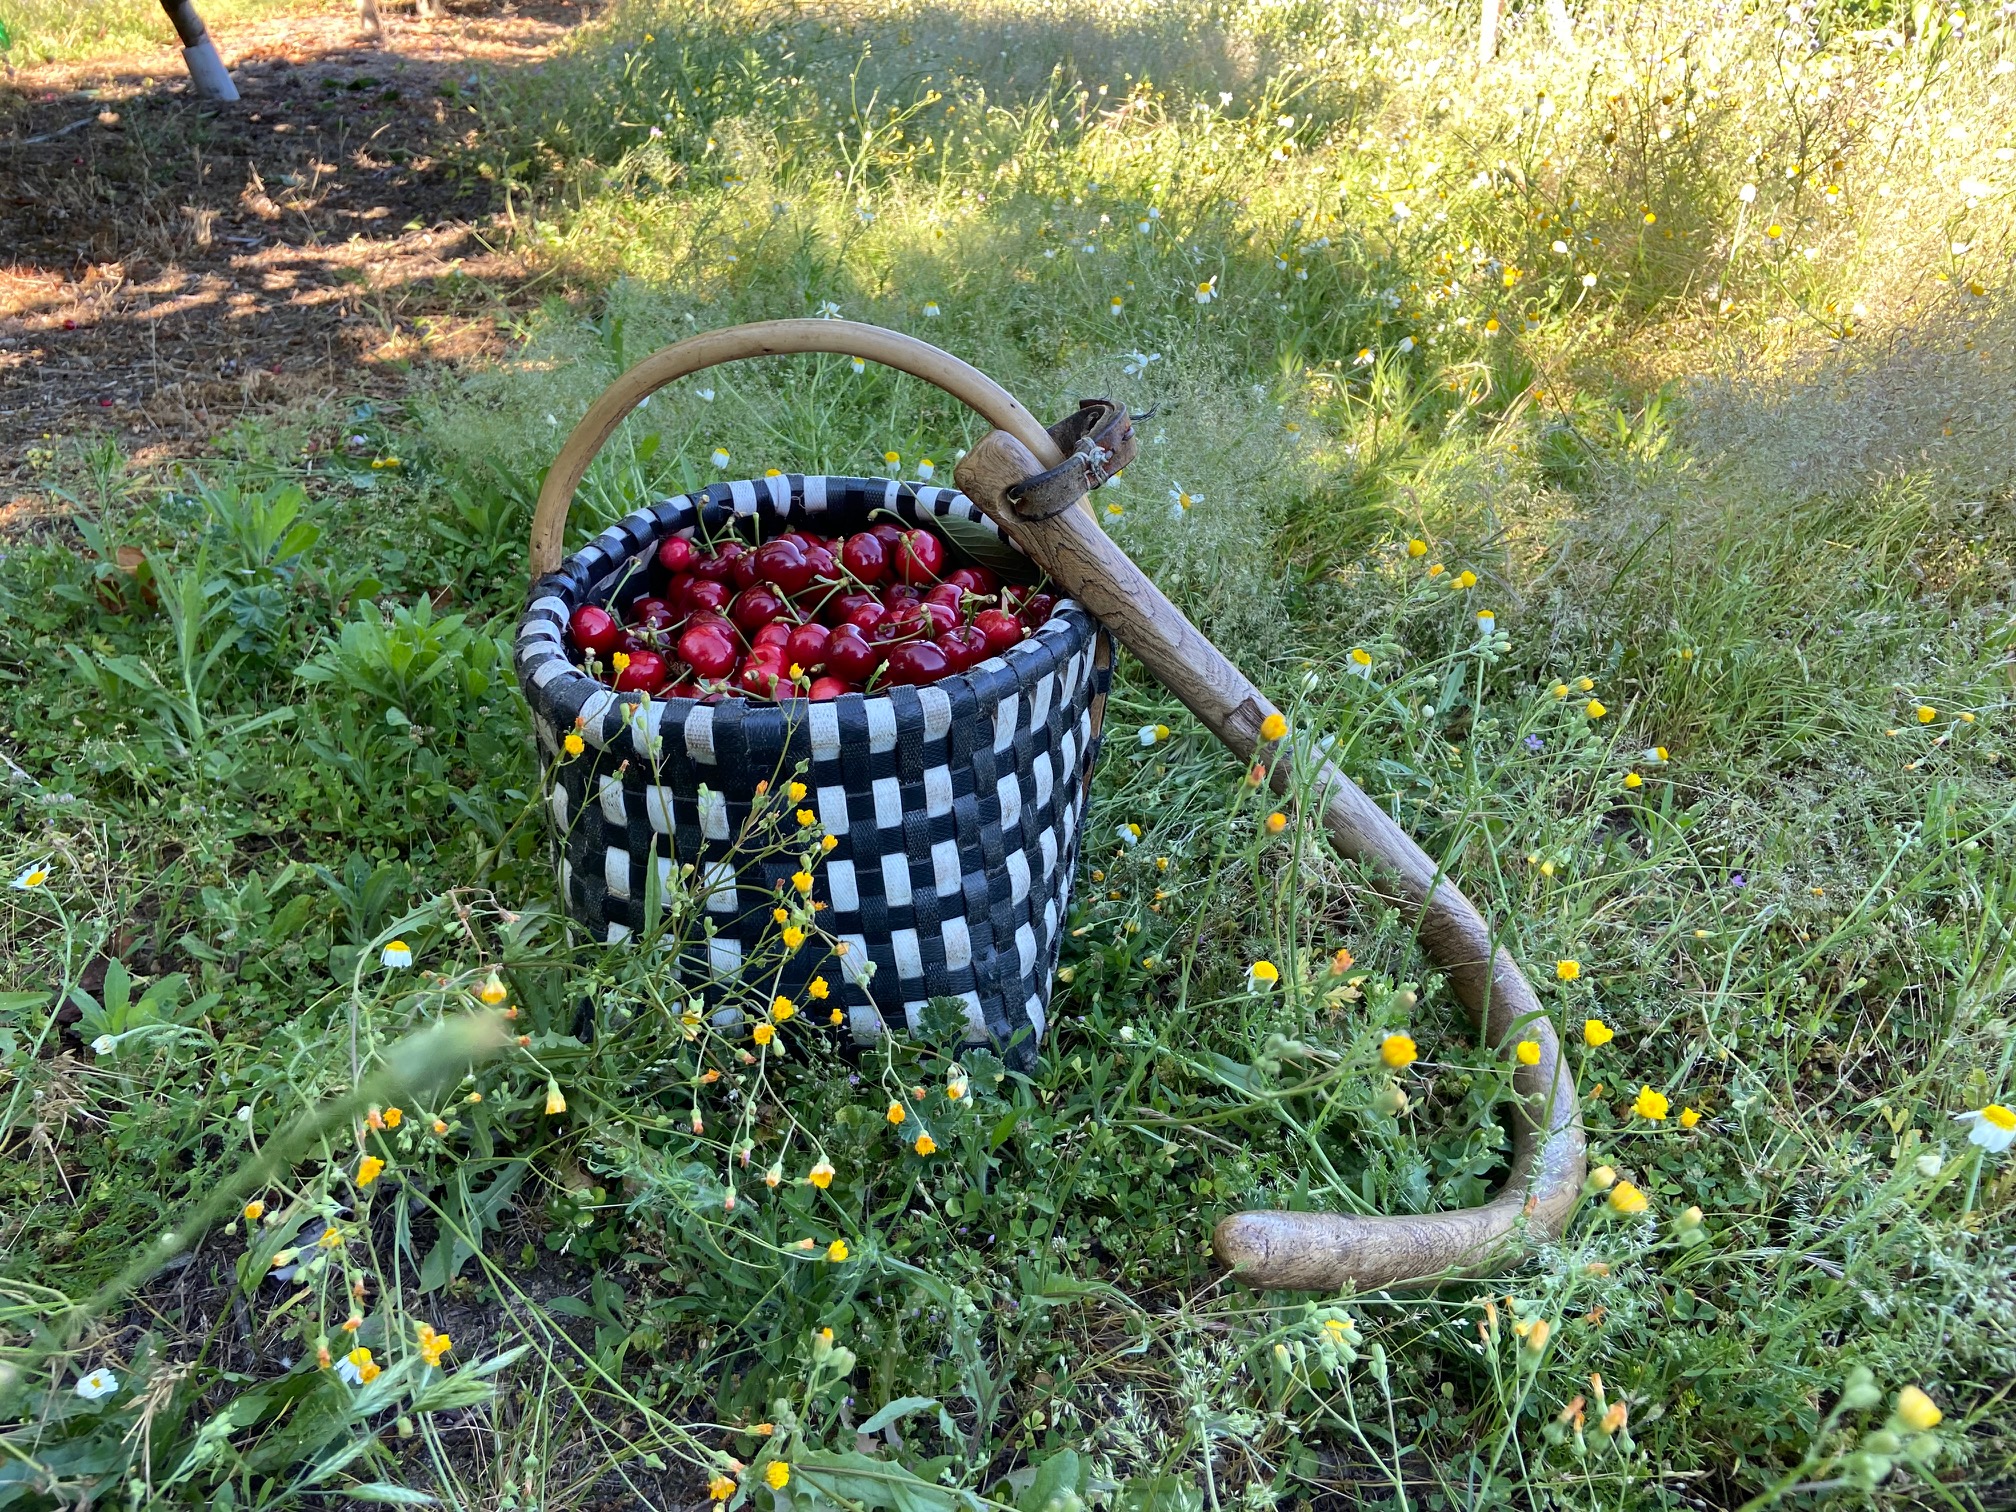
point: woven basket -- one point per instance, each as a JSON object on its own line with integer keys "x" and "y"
{"x": 956, "y": 807}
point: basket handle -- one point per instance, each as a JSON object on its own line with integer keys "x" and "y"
{"x": 765, "y": 338}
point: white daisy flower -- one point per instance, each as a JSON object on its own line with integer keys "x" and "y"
{"x": 931, "y": 308}
{"x": 99, "y": 1383}
{"x": 1180, "y": 502}
{"x": 857, "y": 364}
{"x": 1208, "y": 290}
{"x": 1130, "y": 834}
{"x": 1150, "y": 733}
{"x": 1993, "y": 1127}
{"x": 36, "y": 876}
{"x": 720, "y": 457}
{"x": 927, "y": 469}
{"x": 828, "y": 310}
{"x": 397, "y": 955}
{"x": 706, "y": 393}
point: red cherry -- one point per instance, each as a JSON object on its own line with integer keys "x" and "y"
{"x": 684, "y": 690}
{"x": 676, "y": 554}
{"x": 715, "y": 568}
{"x": 709, "y": 650}
{"x": 645, "y": 672}
{"x": 742, "y": 571}
{"x": 850, "y": 655}
{"x": 652, "y": 613}
{"x": 865, "y": 557}
{"x": 839, "y": 609}
{"x": 807, "y": 646}
{"x": 825, "y": 568}
{"x": 964, "y": 646}
{"x": 595, "y": 629}
{"x": 898, "y": 594}
{"x": 942, "y": 616}
{"x": 916, "y": 662}
{"x": 824, "y": 688}
{"x": 762, "y": 678}
{"x": 951, "y": 595}
{"x": 1000, "y": 627}
{"x": 676, "y": 591}
{"x": 975, "y": 580}
{"x": 708, "y": 595}
{"x": 920, "y": 558}
{"x": 1038, "y": 609}
{"x": 754, "y": 607}
{"x": 783, "y": 563}
{"x": 891, "y": 537}
{"x": 775, "y": 633}
{"x": 904, "y": 624}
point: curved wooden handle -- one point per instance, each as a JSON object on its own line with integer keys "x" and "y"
{"x": 766, "y": 338}
{"x": 1324, "y": 1251}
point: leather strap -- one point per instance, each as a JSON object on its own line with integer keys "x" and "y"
{"x": 1097, "y": 439}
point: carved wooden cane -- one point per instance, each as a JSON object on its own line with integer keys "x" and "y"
{"x": 1305, "y": 1251}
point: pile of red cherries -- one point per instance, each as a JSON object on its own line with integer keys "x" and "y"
{"x": 804, "y": 616}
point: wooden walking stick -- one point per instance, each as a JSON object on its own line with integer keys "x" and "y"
{"x": 1022, "y": 478}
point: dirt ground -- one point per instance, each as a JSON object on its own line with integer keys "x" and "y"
{"x": 171, "y": 265}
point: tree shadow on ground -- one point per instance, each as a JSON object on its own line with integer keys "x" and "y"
{"x": 173, "y": 265}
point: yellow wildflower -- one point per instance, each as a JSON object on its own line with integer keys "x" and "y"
{"x": 1650, "y": 1104}
{"x": 822, "y": 1174}
{"x": 1273, "y": 727}
{"x": 926, "y": 1145}
{"x": 369, "y": 1169}
{"x": 895, "y": 1115}
{"x": 1596, "y": 1034}
{"x": 837, "y": 1251}
{"x": 1567, "y": 970}
{"x": 1627, "y": 1199}
{"x": 1398, "y": 1051}
{"x": 1528, "y": 1052}
{"x": 818, "y": 989}
{"x": 1917, "y": 1411}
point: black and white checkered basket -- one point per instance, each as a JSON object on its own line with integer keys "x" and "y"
{"x": 957, "y": 807}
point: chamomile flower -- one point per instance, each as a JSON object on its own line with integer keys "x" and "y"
{"x": 99, "y": 1383}
{"x": 1151, "y": 733}
{"x": 927, "y": 469}
{"x": 36, "y": 876}
{"x": 1207, "y": 290}
{"x": 1181, "y": 501}
{"x": 1129, "y": 834}
{"x": 1993, "y": 1128}
{"x": 396, "y": 956}
{"x": 931, "y": 310}
{"x": 719, "y": 456}
{"x": 1261, "y": 976}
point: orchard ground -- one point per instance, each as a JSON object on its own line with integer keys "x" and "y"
{"x": 1609, "y": 446}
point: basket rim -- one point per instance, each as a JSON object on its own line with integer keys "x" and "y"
{"x": 537, "y": 643}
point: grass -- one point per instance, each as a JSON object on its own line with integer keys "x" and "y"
{"x": 1750, "y": 492}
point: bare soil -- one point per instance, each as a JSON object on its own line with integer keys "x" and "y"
{"x": 170, "y": 266}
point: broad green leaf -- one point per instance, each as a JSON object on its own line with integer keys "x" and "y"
{"x": 902, "y": 1407}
